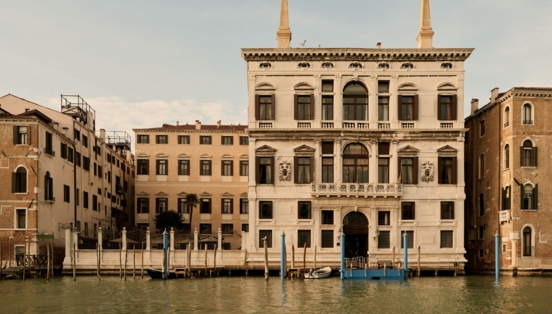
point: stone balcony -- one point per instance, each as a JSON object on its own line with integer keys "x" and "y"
{"x": 357, "y": 190}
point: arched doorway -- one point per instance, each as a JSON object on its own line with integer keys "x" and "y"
{"x": 355, "y": 227}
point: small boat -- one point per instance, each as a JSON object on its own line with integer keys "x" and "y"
{"x": 7, "y": 276}
{"x": 319, "y": 273}
{"x": 158, "y": 274}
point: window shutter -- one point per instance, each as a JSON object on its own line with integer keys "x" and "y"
{"x": 231, "y": 167}
{"x": 272, "y": 170}
{"x": 522, "y": 195}
{"x": 439, "y": 166}
{"x": 222, "y": 205}
{"x": 273, "y": 107}
{"x": 454, "y": 111}
{"x": 15, "y": 135}
{"x": 415, "y": 172}
{"x": 439, "y": 116}
{"x": 454, "y": 170}
{"x": 399, "y": 105}
{"x": 415, "y": 113}
{"x": 257, "y": 170}
{"x": 503, "y": 198}
{"x": 521, "y": 156}
{"x": 257, "y": 109}
{"x": 399, "y": 168}
{"x": 452, "y": 210}
{"x": 210, "y": 167}
{"x": 14, "y": 182}
{"x": 414, "y": 210}
{"x": 509, "y": 193}
{"x": 312, "y": 169}
{"x": 296, "y": 107}
{"x": 535, "y": 197}
{"x": 295, "y": 170}
{"x": 535, "y": 156}
{"x": 29, "y": 135}
{"x": 222, "y": 167}
{"x": 312, "y": 107}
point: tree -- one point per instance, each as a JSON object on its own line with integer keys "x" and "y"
{"x": 165, "y": 220}
{"x": 191, "y": 202}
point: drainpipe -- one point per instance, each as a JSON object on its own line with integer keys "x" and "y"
{"x": 499, "y": 191}
{"x": 74, "y": 178}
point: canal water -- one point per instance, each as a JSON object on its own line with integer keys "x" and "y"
{"x": 470, "y": 294}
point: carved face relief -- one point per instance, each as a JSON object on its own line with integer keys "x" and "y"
{"x": 284, "y": 169}
{"x": 427, "y": 171}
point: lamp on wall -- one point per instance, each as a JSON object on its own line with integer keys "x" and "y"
{"x": 377, "y": 234}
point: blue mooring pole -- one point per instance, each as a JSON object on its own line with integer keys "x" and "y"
{"x": 497, "y": 256}
{"x": 283, "y": 258}
{"x": 405, "y": 246}
{"x": 342, "y": 272}
{"x": 165, "y": 250}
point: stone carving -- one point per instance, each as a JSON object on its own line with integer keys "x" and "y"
{"x": 427, "y": 171}
{"x": 285, "y": 171}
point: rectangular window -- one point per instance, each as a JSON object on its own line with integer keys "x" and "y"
{"x": 327, "y": 86}
{"x": 70, "y": 154}
{"x": 245, "y": 228}
{"x": 78, "y": 159}
{"x": 162, "y": 139}
{"x": 143, "y": 165}
{"x": 227, "y": 228}
{"x": 95, "y": 203}
{"x": 265, "y": 234}
{"x": 86, "y": 163}
{"x": 143, "y": 205}
{"x": 183, "y": 206}
{"x": 408, "y": 211}
{"x": 303, "y": 170}
{"x": 160, "y": 205}
{"x": 407, "y": 108}
{"x": 244, "y": 206}
{"x": 227, "y": 140}
{"x": 205, "y": 140}
{"x": 162, "y": 167}
{"x": 327, "y": 108}
{"x": 447, "y": 210}
{"x": 100, "y": 171}
{"x": 63, "y": 150}
{"x": 355, "y": 107}
{"x": 143, "y": 139}
{"x": 66, "y": 193}
{"x": 384, "y": 240}
{"x": 383, "y": 87}
{"x": 19, "y": 180}
{"x": 85, "y": 199}
{"x": 265, "y": 169}
{"x": 205, "y": 206}
{"x": 383, "y": 170}
{"x": 327, "y": 238}
{"x": 49, "y": 147}
{"x": 383, "y": 108}
{"x": 327, "y": 217}
{"x": 446, "y": 239}
{"x": 76, "y": 134}
{"x": 327, "y": 170}
{"x": 21, "y": 135}
{"x": 77, "y": 197}
{"x": 481, "y": 233}
{"x": 447, "y": 107}
{"x": 244, "y": 168}
{"x": 85, "y": 140}
{"x": 266, "y": 108}
{"x": 410, "y": 235}
{"x": 244, "y": 140}
{"x": 184, "y": 139}
{"x": 183, "y": 167}
{"x": 327, "y": 148}
{"x": 303, "y": 110}
{"x": 304, "y": 210}
{"x": 227, "y": 206}
{"x": 408, "y": 170}
{"x": 205, "y": 228}
{"x": 303, "y": 238}
{"x": 227, "y": 168}
{"x": 384, "y": 218}
{"x": 21, "y": 222}
{"x": 265, "y": 210}
{"x": 205, "y": 166}
{"x": 447, "y": 170}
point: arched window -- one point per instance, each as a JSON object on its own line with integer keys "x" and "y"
{"x": 528, "y": 154}
{"x": 529, "y": 196}
{"x": 507, "y": 156}
{"x": 48, "y": 187}
{"x": 507, "y": 117}
{"x": 481, "y": 166}
{"x": 481, "y": 204}
{"x": 19, "y": 180}
{"x": 355, "y": 164}
{"x": 527, "y": 247}
{"x": 527, "y": 114}
{"x": 355, "y": 102}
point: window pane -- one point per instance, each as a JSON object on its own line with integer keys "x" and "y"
{"x": 410, "y": 235}
{"x": 268, "y": 235}
{"x": 327, "y": 217}
{"x": 303, "y": 237}
{"x": 327, "y": 238}
{"x": 446, "y": 239}
{"x": 304, "y": 210}
{"x": 265, "y": 210}
{"x": 384, "y": 218}
{"x": 384, "y": 240}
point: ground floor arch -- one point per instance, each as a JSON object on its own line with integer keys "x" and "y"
{"x": 355, "y": 227}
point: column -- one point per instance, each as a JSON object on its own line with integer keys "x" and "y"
{"x": 68, "y": 243}
{"x": 373, "y": 163}
{"x": 171, "y": 234}
{"x": 393, "y": 162}
{"x": 318, "y": 161}
{"x": 514, "y": 253}
{"x": 124, "y": 239}
{"x": 196, "y": 238}
{"x": 338, "y": 102}
{"x": 219, "y": 239}
{"x": 100, "y": 237}
{"x": 373, "y": 102}
{"x": 338, "y": 161}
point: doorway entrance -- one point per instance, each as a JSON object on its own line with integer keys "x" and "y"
{"x": 355, "y": 227}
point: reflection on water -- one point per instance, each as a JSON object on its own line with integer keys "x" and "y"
{"x": 254, "y": 295}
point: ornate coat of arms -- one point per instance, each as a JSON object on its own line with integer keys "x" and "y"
{"x": 284, "y": 169}
{"x": 427, "y": 171}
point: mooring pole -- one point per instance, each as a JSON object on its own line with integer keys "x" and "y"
{"x": 165, "y": 259}
{"x": 497, "y": 256}
{"x": 405, "y": 245}
{"x": 265, "y": 258}
{"x": 342, "y": 272}
{"x": 283, "y": 258}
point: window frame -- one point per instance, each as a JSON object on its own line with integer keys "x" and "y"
{"x": 303, "y": 110}
{"x": 306, "y": 169}
{"x": 161, "y": 167}
{"x": 404, "y": 210}
{"x": 450, "y": 210}
{"x": 244, "y": 168}
{"x": 306, "y": 212}
{"x": 443, "y": 244}
{"x": 224, "y": 209}
{"x": 205, "y": 140}
{"x": 227, "y": 168}
{"x": 244, "y": 206}
{"x": 227, "y": 140}
{"x": 143, "y": 201}
{"x": 269, "y": 179}
{"x": 184, "y": 171}
{"x": 207, "y": 170}
{"x": 162, "y": 139}
{"x": 244, "y": 140}
{"x": 205, "y": 209}
{"x": 18, "y": 218}
{"x": 269, "y": 214}
{"x": 269, "y": 236}
{"x": 403, "y": 107}
{"x": 306, "y": 236}
{"x": 447, "y": 111}
{"x": 143, "y": 167}
{"x": 142, "y": 139}
{"x": 20, "y": 180}
{"x": 183, "y": 139}
{"x": 159, "y": 201}
{"x": 269, "y": 112}
{"x": 441, "y": 166}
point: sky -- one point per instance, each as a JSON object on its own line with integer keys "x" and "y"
{"x": 142, "y": 63}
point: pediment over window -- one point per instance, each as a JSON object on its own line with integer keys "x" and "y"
{"x": 227, "y": 194}
{"x": 304, "y": 86}
{"x": 162, "y": 155}
{"x": 304, "y": 149}
{"x": 142, "y": 155}
{"x": 205, "y": 156}
{"x": 243, "y": 195}
{"x": 186, "y": 156}
{"x": 447, "y": 87}
{"x": 447, "y": 150}
{"x": 244, "y": 156}
{"x": 408, "y": 150}
{"x": 408, "y": 87}
{"x": 183, "y": 193}
{"x": 265, "y": 87}
{"x": 142, "y": 194}
{"x": 265, "y": 150}
{"x": 161, "y": 194}
{"x": 226, "y": 156}
{"x": 205, "y": 194}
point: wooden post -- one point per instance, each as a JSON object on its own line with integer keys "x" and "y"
{"x": 292, "y": 256}
{"x": 205, "y": 259}
{"x": 142, "y": 269}
{"x": 189, "y": 260}
{"x": 1, "y": 265}
{"x": 74, "y": 261}
{"x": 314, "y": 257}
{"x": 304, "y": 257}
{"x": 134, "y": 263}
{"x": 265, "y": 258}
{"x": 393, "y": 261}
{"x": 215, "y": 260}
{"x": 52, "y": 264}
{"x": 24, "y": 262}
{"x": 121, "y": 261}
{"x": 126, "y": 258}
{"x": 47, "y": 264}
{"x": 419, "y": 257}
{"x": 98, "y": 261}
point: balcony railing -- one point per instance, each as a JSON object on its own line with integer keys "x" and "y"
{"x": 362, "y": 125}
{"x": 303, "y": 125}
{"x": 356, "y": 125}
{"x": 348, "y": 125}
{"x": 447, "y": 125}
{"x": 407, "y": 125}
{"x": 327, "y": 125}
{"x": 384, "y": 126}
{"x": 358, "y": 190}
{"x": 265, "y": 125}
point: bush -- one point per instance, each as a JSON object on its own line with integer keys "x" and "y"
{"x": 168, "y": 219}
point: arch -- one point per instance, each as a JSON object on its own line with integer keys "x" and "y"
{"x": 355, "y": 101}
{"x": 161, "y": 155}
{"x": 528, "y": 154}
{"x": 355, "y": 88}
{"x": 507, "y": 156}
{"x": 20, "y": 180}
{"x": 408, "y": 87}
{"x": 265, "y": 86}
{"x": 506, "y": 117}
{"x": 355, "y": 227}
{"x": 355, "y": 218}
{"x": 527, "y": 241}
{"x": 355, "y": 163}
{"x": 303, "y": 86}
{"x": 447, "y": 86}
{"x": 527, "y": 113}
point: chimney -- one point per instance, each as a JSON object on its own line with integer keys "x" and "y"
{"x": 177, "y": 124}
{"x": 474, "y": 105}
{"x": 378, "y": 45}
{"x": 218, "y": 123}
{"x": 102, "y": 134}
{"x": 494, "y": 94}
{"x": 198, "y": 125}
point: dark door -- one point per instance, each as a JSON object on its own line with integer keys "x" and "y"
{"x": 355, "y": 227}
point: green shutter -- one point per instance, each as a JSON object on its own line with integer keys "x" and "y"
{"x": 535, "y": 156}
{"x": 503, "y": 198}
{"x": 521, "y": 156}
{"x": 521, "y": 195}
{"x": 536, "y": 197}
